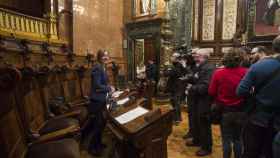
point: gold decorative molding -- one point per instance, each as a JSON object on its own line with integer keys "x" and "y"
{"x": 13, "y": 24}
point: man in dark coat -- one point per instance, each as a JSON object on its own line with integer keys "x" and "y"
{"x": 202, "y": 134}
{"x": 115, "y": 70}
{"x": 98, "y": 97}
{"x": 191, "y": 70}
{"x": 151, "y": 70}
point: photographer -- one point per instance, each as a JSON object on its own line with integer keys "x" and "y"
{"x": 174, "y": 85}
{"x": 191, "y": 69}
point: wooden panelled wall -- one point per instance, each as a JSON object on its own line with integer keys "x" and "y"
{"x": 216, "y": 21}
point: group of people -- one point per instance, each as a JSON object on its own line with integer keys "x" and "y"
{"x": 241, "y": 95}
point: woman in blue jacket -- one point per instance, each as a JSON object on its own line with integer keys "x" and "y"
{"x": 98, "y": 95}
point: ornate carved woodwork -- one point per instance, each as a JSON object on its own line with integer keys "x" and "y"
{"x": 48, "y": 52}
{"x": 13, "y": 135}
{"x": 237, "y": 23}
{"x": 144, "y": 7}
{"x": 86, "y": 83}
{"x": 254, "y": 9}
{"x": 229, "y": 19}
{"x": 24, "y": 26}
{"x": 208, "y": 20}
{"x": 70, "y": 55}
{"x": 142, "y": 30}
{"x": 218, "y": 23}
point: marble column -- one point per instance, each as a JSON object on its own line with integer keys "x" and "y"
{"x": 167, "y": 37}
{"x": 188, "y": 23}
{"x": 181, "y": 22}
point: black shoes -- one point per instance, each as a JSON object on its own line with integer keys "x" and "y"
{"x": 202, "y": 152}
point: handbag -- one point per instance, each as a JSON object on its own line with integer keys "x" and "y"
{"x": 216, "y": 114}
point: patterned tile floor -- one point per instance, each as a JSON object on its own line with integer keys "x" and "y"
{"x": 176, "y": 145}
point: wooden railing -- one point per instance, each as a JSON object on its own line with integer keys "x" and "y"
{"x": 24, "y": 26}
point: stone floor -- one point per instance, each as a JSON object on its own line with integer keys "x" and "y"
{"x": 176, "y": 145}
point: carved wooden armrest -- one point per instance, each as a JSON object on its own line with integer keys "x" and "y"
{"x": 57, "y": 134}
{"x": 69, "y": 114}
{"x": 133, "y": 93}
{"x": 141, "y": 101}
{"x": 84, "y": 103}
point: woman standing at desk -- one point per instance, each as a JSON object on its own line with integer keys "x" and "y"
{"x": 99, "y": 92}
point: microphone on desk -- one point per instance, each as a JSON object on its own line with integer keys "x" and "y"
{"x": 111, "y": 102}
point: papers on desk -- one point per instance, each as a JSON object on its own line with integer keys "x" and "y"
{"x": 131, "y": 115}
{"x": 123, "y": 101}
{"x": 117, "y": 94}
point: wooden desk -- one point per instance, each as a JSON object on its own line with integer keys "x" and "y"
{"x": 144, "y": 137}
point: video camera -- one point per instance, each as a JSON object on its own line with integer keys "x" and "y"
{"x": 183, "y": 50}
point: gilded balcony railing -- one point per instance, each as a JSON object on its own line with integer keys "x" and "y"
{"x": 24, "y": 26}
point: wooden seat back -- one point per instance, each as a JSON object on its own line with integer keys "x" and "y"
{"x": 12, "y": 137}
{"x": 86, "y": 83}
{"x": 51, "y": 87}
{"x": 12, "y": 140}
{"x": 71, "y": 86}
{"x": 30, "y": 102}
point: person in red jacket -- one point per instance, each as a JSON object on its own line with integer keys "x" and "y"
{"x": 223, "y": 88}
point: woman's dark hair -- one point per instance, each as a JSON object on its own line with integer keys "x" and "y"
{"x": 232, "y": 58}
{"x": 100, "y": 55}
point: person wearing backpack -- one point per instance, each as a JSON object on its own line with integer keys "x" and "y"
{"x": 262, "y": 81}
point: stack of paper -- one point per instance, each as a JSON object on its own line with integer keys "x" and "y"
{"x": 131, "y": 115}
{"x": 117, "y": 94}
{"x": 123, "y": 101}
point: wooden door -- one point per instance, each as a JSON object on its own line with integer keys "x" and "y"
{"x": 149, "y": 50}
